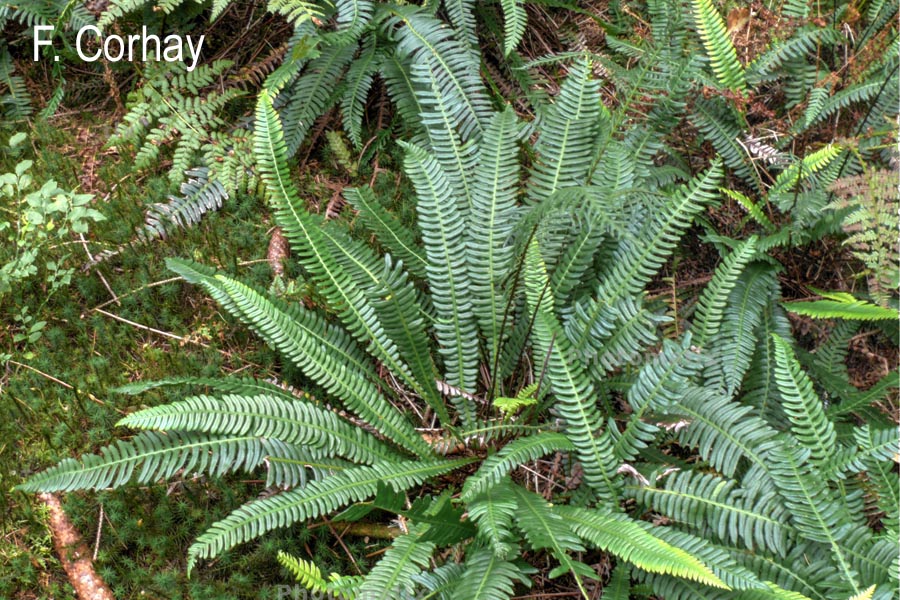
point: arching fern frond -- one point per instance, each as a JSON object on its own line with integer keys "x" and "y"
{"x": 318, "y": 498}
{"x": 568, "y": 133}
{"x": 517, "y": 452}
{"x": 442, "y": 228}
{"x": 637, "y": 260}
{"x": 801, "y": 404}
{"x": 706, "y": 502}
{"x": 628, "y": 540}
{"x": 488, "y": 577}
{"x": 150, "y": 456}
{"x": 719, "y": 48}
{"x": 545, "y": 529}
{"x": 294, "y": 422}
{"x": 393, "y": 575}
{"x": 572, "y": 387}
{"x": 322, "y": 351}
{"x": 711, "y": 305}
{"x": 494, "y": 512}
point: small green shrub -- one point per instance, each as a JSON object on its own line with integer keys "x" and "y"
{"x": 35, "y": 220}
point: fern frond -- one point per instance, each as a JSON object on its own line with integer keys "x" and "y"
{"x": 636, "y": 261}
{"x": 628, "y": 540}
{"x": 709, "y": 503}
{"x": 724, "y": 432}
{"x": 488, "y": 577}
{"x": 711, "y": 305}
{"x": 159, "y": 456}
{"x": 462, "y": 16}
{"x": 313, "y": 93}
{"x": 494, "y": 512}
{"x": 514, "y": 21}
{"x": 801, "y": 404}
{"x": 719, "y": 48}
{"x": 320, "y": 497}
{"x": 568, "y": 129}
{"x": 393, "y": 575}
{"x": 545, "y": 529}
{"x": 360, "y": 76}
{"x": 801, "y": 170}
{"x": 312, "y": 243}
{"x": 199, "y": 195}
{"x": 427, "y": 41}
{"x": 571, "y": 386}
{"x": 814, "y": 510}
{"x": 748, "y": 300}
{"x": 457, "y": 158}
{"x": 15, "y": 101}
{"x": 442, "y": 229}
{"x": 513, "y": 454}
{"x": 657, "y": 388}
{"x": 268, "y": 417}
{"x": 716, "y": 558}
{"x": 840, "y": 305}
{"x": 396, "y": 237}
{"x": 322, "y": 351}
{"x": 491, "y": 223}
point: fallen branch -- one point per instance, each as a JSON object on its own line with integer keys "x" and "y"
{"x": 73, "y": 554}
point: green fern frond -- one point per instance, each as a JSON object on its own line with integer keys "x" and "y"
{"x": 840, "y": 305}
{"x": 517, "y": 452}
{"x": 572, "y": 387}
{"x": 488, "y": 577}
{"x": 628, "y": 540}
{"x": 801, "y": 170}
{"x": 312, "y": 243}
{"x": 324, "y": 352}
{"x": 491, "y": 223}
{"x": 427, "y": 41}
{"x": 514, "y": 21}
{"x": 305, "y": 572}
{"x": 724, "y": 432}
{"x": 801, "y": 404}
{"x": 313, "y": 93}
{"x": 267, "y": 417}
{"x": 719, "y": 48}
{"x": 546, "y": 529}
{"x": 15, "y": 101}
{"x": 442, "y": 228}
{"x": 737, "y": 336}
{"x": 318, "y": 498}
{"x": 456, "y": 157}
{"x": 568, "y": 129}
{"x": 709, "y": 503}
{"x": 396, "y": 237}
{"x": 813, "y": 508}
{"x": 228, "y": 385}
{"x": 199, "y": 195}
{"x": 711, "y": 305}
{"x": 151, "y": 456}
{"x": 659, "y": 385}
{"x": 393, "y": 575}
{"x": 494, "y": 512}
{"x": 462, "y": 16}
{"x": 636, "y": 261}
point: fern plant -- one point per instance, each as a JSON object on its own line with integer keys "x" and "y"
{"x": 538, "y": 244}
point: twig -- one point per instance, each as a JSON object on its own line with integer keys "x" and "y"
{"x": 99, "y": 531}
{"x": 150, "y": 329}
{"x": 42, "y": 374}
{"x": 99, "y": 274}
